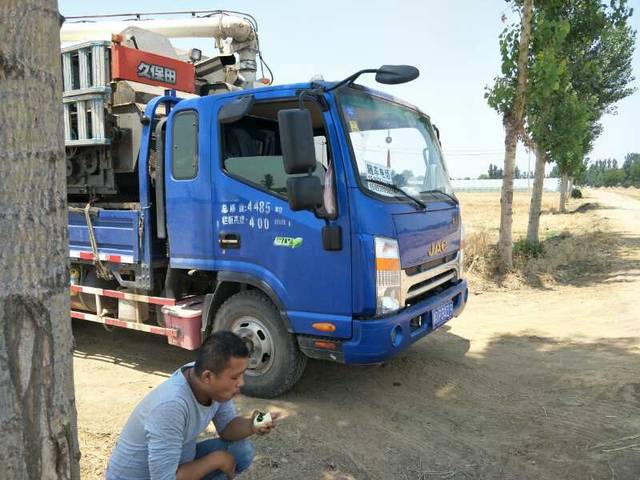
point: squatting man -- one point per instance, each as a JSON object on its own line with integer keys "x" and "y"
{"x": 159, "y": 441}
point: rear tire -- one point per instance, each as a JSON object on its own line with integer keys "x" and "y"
{"x": 276, "y": 362}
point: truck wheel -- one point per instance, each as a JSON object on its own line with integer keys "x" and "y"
{"x": 276, "y": 363}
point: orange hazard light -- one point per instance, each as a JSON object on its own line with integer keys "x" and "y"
{"x": 324, "y": 327}
{"x": 144, "y": 67}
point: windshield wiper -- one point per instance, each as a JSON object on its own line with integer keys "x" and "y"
{"x": 418, "y": 203}
{"x": 452, "y": 197}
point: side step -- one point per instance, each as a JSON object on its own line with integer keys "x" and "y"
{"x": 124, "y": 295}
{"x": 142, "y": 327}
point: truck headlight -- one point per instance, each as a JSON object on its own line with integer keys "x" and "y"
{"x": 387, "y": 275}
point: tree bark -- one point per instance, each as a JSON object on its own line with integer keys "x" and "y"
{"x": 513, "y": 126}
{"x": 564, "y": 182}
{"x": 535, "y": 208}
{"x": 505, "y": 245}
{"x": 37, "y": 409}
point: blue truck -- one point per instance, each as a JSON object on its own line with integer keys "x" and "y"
{"x": 316, "y": 220}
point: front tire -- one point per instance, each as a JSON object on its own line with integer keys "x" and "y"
{"x": 276, "y": 362}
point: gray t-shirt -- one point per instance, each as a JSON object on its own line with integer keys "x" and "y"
{"x": 161, "y": 432}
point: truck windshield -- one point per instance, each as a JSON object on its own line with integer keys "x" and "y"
{"x": 393, "y": 144}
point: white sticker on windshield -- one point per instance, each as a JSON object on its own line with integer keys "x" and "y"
{"x": 379, "y": 173}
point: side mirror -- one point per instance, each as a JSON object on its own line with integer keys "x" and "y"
{"x": 395, "y": 74}
{"x": 304, "y": 193}
{"x": 296, "y": 141}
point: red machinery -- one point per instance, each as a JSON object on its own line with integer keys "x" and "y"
{"x": 144, "y": 67}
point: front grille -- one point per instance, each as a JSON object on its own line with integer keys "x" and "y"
{"x": 429, "y": 278}
{"x": 433, "y": 281}
{"x": 431, "y": 264}
{"x": 431, "y": 292}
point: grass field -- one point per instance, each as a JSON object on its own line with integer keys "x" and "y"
{"x": 568, "y": 241}
{"x": 632, "y": 192}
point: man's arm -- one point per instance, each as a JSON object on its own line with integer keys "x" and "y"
{"x": 238, "y": 429}
{"x": 165, "y": 434}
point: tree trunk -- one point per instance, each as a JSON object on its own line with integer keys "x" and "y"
{"x": 37, "y": 409}
{"x": 513, "y": 126}
{"x": 564, "y": 183}
{"x": 535, "y": 209}
{"x": 505, "y": 245}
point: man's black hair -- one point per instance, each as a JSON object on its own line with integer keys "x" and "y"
{"x": 216, "y": 351}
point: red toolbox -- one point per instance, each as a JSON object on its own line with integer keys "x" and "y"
{"x": 186, "y": 317}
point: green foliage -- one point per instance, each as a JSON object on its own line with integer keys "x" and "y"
{"x": 552, "y": 235}
{"x": 576, "y": 193}
{"x": 267, "y": 181}
{"x": 605, "y": 172}
{"x": 612, "y": 178}
{"x": 579, "y": 67}
{"x": 634, "y": 174}
{"x": 495, "y": 172}
{"x": 399, "y": 180}
{"x": 524, "y": 248}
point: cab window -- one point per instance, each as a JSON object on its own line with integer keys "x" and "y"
{"x": 251, "y": 150}
{"x": 185, "y": 146}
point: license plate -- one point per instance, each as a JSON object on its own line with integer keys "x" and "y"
{"x": 442, "y": 314}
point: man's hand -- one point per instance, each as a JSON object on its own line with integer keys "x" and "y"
{"x": 266, "y": 428}
{"x": 241, "y": 427}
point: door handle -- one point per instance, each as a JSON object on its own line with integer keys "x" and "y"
{"x": 229, "y": 240}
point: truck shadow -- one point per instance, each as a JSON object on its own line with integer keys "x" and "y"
{"x": 128, "y": 348}
{"x": 525, "y": 406}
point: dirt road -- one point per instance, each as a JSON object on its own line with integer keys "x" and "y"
{"x": 539, "y": 383}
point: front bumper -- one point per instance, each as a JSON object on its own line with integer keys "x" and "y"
{"x": 372, "y": 339}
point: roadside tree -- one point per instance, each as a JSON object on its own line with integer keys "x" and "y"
{"x": 37, "y": 409}
{"x": 508, "y": 97}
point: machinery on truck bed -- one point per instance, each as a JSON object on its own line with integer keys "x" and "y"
{"x": 314, "y": 219}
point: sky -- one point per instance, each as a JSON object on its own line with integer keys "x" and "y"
{"x": 453, "y": 44}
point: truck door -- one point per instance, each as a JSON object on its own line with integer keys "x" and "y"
{"x": 259, "y": 235}
{"x": 188, "y": 189}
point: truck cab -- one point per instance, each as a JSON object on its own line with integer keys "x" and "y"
{"x": 350, "y": 254}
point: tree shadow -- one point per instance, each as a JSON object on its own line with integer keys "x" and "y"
{"x": 582, "y": 208}
{"x": 590, "y": 206}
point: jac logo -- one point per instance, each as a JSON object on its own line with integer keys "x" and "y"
{"x": 437, "y": 247}
{"x": 157, "y": 72}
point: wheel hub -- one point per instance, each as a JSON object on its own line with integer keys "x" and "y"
{"x": 259, "y": 341}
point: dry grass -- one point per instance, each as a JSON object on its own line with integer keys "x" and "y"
{"x": 632, "y": 192}
{"x": 568, "y": 241}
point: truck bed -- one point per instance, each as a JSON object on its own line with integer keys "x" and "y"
{"x": 117, "y": 234}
